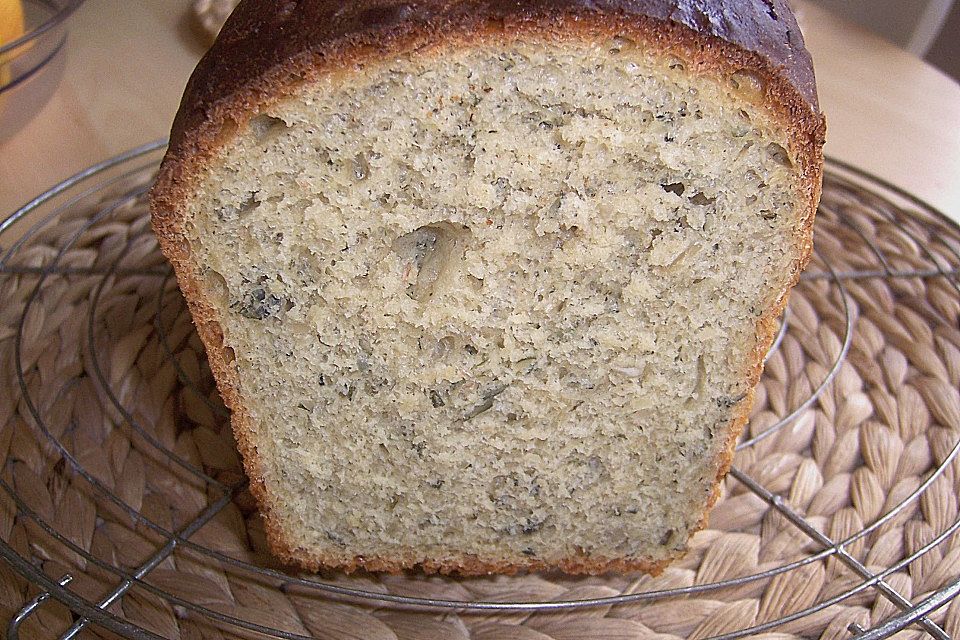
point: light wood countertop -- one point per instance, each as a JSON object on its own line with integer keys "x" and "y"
{"x": 888, "y": 112}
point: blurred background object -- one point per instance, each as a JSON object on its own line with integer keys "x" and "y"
{"x": 11, "y": 28}
{"x": 33, "y": 36}
{"x": 211, "y": 14}
{"x": 11, "y": 21}
{"x": 911, "y": 24}
{"x": 926, "y": 28}
{"x": 945, "y": 52}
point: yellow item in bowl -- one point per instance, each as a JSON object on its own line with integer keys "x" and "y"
{"x": 11, "y": 28}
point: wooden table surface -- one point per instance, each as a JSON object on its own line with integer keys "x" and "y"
{"x": 888, "y": 112}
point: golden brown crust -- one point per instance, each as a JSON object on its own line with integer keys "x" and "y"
{"x": 222, "y": 97}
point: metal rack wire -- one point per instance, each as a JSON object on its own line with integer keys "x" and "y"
{"x": 82, "y": 211}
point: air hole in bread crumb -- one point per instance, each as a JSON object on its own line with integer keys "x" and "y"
{"x": 436, "y": 399}
{"x": 430, "y": 257}
{"x": 217, "y": 287}
{"x": 267, "y": 128}
{"x": 619, "y": 44}
{"x": 676, "y": 63}
{"x": 361, "y": 168}
{"x": 701, "y": 200}
{"x": 667, "y": 536}
{"x": 232, "y": 214}
{"x": 779, "y": 155}
{"x": 444, "y": 346}
{"x": 747, "y": 84}
{"x": 475, "y": 283}
{"x": 674, "y": 187}
{"x": 229, "y": 354}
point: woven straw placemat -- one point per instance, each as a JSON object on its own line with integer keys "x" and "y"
{"x": 112, "y": 435}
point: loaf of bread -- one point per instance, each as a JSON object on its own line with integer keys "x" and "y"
{"x": 487, "y": 284}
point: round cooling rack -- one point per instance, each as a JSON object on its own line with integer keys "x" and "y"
{"x": 124, "y": 508}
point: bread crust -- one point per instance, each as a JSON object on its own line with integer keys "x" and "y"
{"x": 717, "y": 38}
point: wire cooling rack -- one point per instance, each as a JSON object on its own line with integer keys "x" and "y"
{"x": 124, "y": 510}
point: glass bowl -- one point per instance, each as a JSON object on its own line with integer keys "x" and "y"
{"x": 33, "y": 63}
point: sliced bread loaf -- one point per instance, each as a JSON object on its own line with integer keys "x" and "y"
{"x": 487, "y": 284}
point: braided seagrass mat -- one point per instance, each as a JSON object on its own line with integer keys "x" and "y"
{"x": 122, "y": 495}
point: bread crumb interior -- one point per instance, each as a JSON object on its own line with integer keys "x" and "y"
{"x": 498, "y": 301}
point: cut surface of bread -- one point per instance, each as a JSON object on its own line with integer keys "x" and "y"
{"x": 498, "y": 303}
